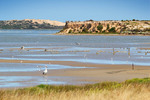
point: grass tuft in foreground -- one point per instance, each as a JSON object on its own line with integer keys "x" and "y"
{"x": 137, "y": 80}
{"x": 135, "y": 89}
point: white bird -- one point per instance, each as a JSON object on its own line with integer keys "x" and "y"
{"x": 45, "y": 71}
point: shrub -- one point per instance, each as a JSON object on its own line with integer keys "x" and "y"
{"x": 113, "y": 30}
{"x": 85, "y": 30}
{"x": 138, "y": 80}
{"x": 100, "y": 27}
{"x": 96, "y": 31}
{"x": 90, "y": 20}
{"x": 107, "y": 26}
{"x": 70, "y": 31}
{"x": 89, "y": 26}
{"x": 133, "y": 19}
{"x": 147, "y": 29}
{"x": 103, "y": 31}
{"x": 136, "y": 30}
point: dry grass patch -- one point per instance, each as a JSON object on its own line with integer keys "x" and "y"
{"x": 136, "y": 89}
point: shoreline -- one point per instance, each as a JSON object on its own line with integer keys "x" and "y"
{"x": 98, "y": 34}
{"x": 78, "y": 34}
{"x": 93, "y": 73}
{"x": 67, "y": 63}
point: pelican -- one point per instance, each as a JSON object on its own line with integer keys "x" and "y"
{"x": 45, "y": 71}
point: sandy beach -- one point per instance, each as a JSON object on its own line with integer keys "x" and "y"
{"x": 93, "y": 73}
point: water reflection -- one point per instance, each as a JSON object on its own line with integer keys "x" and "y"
{"x": 23, "y": 81}
{"x": 29, "y": 67}
{"x": 45, "y": 79}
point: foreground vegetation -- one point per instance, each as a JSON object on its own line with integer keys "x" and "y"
{"x": 135, "y": 89}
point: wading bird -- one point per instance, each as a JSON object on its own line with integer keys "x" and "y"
{"x": 45, "y": 71}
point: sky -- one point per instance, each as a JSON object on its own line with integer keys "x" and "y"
{"x": 75, "y": 10}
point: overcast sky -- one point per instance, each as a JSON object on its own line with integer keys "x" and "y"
{"x": 64, "y": 10}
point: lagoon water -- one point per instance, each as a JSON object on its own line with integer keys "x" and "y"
{"x": 78, "y": 48}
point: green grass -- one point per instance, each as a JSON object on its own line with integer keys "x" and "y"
{"x": 97, "y": 86}
{"x": 134, "y": 89}
{"x": 138, "y": 80}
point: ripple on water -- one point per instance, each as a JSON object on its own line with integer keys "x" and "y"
{"x": 29, "y": 67}
{"x": 24, "y": 81}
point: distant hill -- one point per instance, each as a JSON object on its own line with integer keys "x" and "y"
{"x": 31, "y": 24}
{"x": 105, "y": 27}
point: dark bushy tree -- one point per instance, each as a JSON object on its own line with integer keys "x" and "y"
{"x": 100, "y": 27}
{"x": 133, "y": 19}
{"x": 112, "y": 30}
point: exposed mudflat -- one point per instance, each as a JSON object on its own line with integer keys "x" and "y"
{"x": 76, "y": 60}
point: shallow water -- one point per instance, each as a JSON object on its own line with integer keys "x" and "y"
{"x": 91, "y": 49}
{"x": 29, "y": 67}
{"x": 24, "y": 81}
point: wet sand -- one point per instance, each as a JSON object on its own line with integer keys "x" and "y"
{"x": 93, "y": 73}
